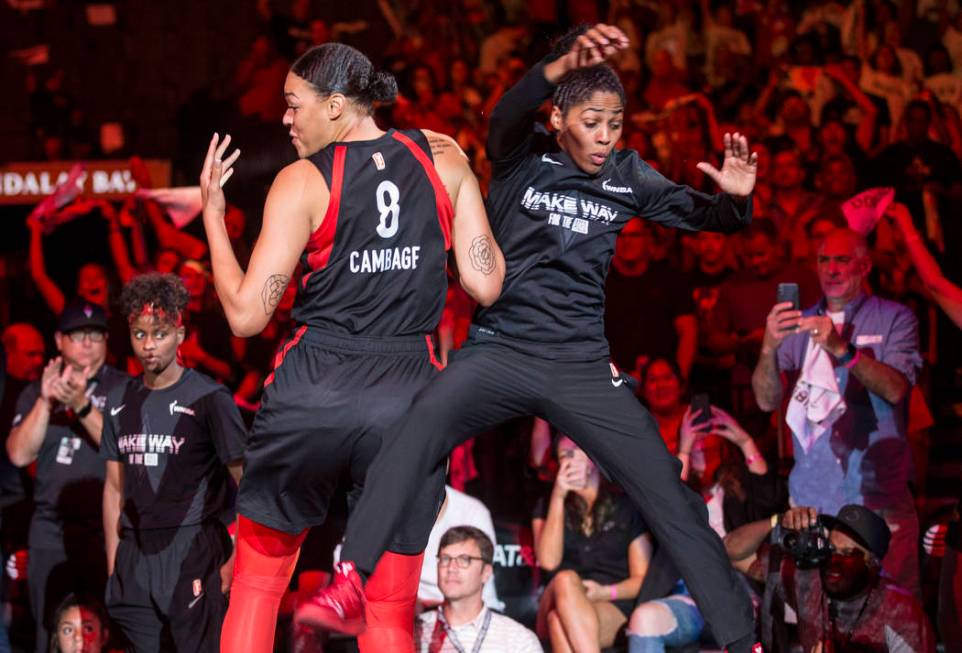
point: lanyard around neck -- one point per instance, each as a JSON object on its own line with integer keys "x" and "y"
{"x": 449, "y": 632}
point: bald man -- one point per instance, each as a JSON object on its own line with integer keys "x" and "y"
{"x": 24, "y": 348}
{"x": 867, "y": 348}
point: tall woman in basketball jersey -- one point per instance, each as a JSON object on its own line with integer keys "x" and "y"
{"x": 371, "y": 215}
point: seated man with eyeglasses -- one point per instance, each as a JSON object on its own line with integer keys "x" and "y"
{"x": 463, "y": 623}
{"x": 57, "y": 424}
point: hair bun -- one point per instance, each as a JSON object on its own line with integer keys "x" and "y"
{"x": 382, "y": 88}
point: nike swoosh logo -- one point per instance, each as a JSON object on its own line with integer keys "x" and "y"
{"x": 548, "y": 159}
{"x": 116, "y": 411}
{"x": 196, "y": 599}
{"x": 617, "y": 382}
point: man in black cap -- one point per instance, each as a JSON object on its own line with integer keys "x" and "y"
{"x": 57, "y": 424}
{"x": 843, "y": 599}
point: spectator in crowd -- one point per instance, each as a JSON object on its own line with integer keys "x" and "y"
{"x": 648, "y": 308}
{"x": 920, "y": 168}
{"x": 714, "y": 265}
{"x": 458, "y": 510}
{"x": 23, "y": 347}
{"x": 167, "y": 492}
{"x": 843, "y": 598}
{"x": 210, "y": 346}
{"x": 851, "y": 361}
{"x": 882, "y": 76}
{"x": 720, "y": 33}
{"x": 21, "y": 359}
{"x": 736, "y": 491}
{"x": 464, "y": 621}
{"x": 58, "y": 426}
{"x": 499, "y": 45}
{"x": 792, "y": 207}
{"x": 92, "y": 279}
{"x": 257, "y": 80}
{"x": 743, "y": 302}
{"x": 81, "y": 625}
{"x": 850, "y": 107}
{"x": 733, "y": 492}
{"x": 664, "y": 84}
{"x": 595, "y": 545}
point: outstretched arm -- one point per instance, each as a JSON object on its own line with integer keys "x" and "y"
{"x": 675, "y": 205}
{"x": 946, "y": 294}
{"x": 479, "y": 259}
{"x": 169, "y": 236}
{"x": 49, "y": 290}
{"x": 249, "y": 299}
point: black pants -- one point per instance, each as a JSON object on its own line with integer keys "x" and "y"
{"x": 488, "y": 383}
{"x": 333, "y": 400}
{"x": 165, "y": 592}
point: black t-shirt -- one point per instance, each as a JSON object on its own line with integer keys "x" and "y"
{"x": 174, "y": 444}
{"x": 68, "y": 490}
{"x": 557, "y": 226}
{"x": 640, "y": 313}
{"x": 603, "y": 555}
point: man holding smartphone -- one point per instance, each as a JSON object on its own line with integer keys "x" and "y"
{"x": 872, "y": 347}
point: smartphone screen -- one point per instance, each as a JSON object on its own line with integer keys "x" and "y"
{"x": 700, "y": 402}
{"x": 787, "y": 292}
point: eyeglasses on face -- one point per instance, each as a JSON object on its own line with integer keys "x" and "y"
{"x": 463, "y": 561}
{"x": 94, "y": 335}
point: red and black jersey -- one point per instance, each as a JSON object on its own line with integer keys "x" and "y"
{"x": 377, "y": 264}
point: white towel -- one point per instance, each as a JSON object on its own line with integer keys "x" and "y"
{"x": 816, "y": 402}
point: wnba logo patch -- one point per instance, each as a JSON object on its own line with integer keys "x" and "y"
{"x": 198, "y": 588}
{"x": 378, "y": 160}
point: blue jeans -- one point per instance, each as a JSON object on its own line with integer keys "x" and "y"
{"x": 687, "y": 631}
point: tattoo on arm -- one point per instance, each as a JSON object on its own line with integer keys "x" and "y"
{"x": 439, "y": 145}
{"x": 273, "y": 290}
{"x": 482, "y": 255}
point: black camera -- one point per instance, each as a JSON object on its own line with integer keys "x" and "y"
{"x": 808, "y": 547}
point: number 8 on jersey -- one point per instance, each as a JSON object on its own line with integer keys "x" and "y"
{"x": 388, "y": 198}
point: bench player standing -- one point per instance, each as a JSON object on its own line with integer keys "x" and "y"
{"x": 557, "y": 202}
{"x": 371, "y": 214}
{"x": 172, "y": 439}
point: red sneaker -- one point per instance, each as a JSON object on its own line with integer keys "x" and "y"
{"x": 339, "y": 606}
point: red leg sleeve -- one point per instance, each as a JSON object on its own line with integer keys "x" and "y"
{"x": 391, "y": 593}
{"x": 264, "y": 563}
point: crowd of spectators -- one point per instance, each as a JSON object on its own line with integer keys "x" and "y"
{"x": 832, "y": 417}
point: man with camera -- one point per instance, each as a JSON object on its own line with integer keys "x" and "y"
{"x": 851, "y": 361}
{"x": 829, "y": 571}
